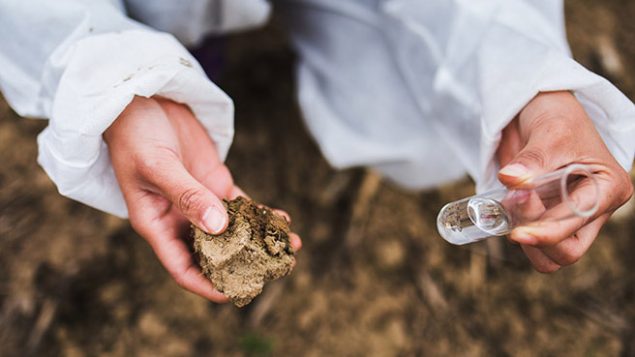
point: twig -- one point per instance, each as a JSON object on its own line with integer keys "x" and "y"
{"x": 42, "y": 324}
{"x": 334, "y": 189}
{"x": 265, "y": 302}
{"x": 431, "y": 292}
{"x": 361, "y": 206}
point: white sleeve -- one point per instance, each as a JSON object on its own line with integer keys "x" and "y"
{"x": 80, "y": 63}
{"x": 495, "y": 56}
{"x": 191, "y": 20}
{"x": 422, "y": 89}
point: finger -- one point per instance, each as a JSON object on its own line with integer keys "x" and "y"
{"x": 219, "y": 181}
{"x": 237, "y": 192}
{"x": 560, "y": 222}
{"x": 295, "y": 241}
{"x": 570, "y": 250}
{"x": 193, "y": 200}
{"x": 283, "y": 214}
{"x": 548, "y": 147}
{"x": 523, "y": 206}
{"x": 176, "y": 258}
{"x": 511, "y": 143}
{"x": 530, "y": 162}
{"x": 161, "y": 229}
{"x": 539, "y": 260}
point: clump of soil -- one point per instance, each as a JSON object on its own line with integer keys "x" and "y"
{"x": 253, "y": 250}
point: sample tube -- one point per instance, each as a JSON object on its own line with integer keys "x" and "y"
{"x": 563, "y": 194}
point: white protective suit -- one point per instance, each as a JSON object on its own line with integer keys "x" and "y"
{"x": 418, "y": 89}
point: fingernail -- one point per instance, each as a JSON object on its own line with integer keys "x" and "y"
{"x": 520, "y": 196}
{"x": 523, "y": 237}
{"x": 514, "y": 170}
{"x": 213, "y": 220}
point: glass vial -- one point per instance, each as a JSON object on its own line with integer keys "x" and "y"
{"x": 563, "y": 194}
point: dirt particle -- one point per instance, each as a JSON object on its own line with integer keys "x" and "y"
{"x": 253, "y": 250}
{"x": 185, "y": 62}
{"x": 390, "y": 254}
{"x": 151, "y": 325}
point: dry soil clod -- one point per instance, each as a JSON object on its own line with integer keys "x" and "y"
{"x": 253, "y": 250}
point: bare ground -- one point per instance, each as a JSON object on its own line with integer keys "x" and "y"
{"x": 373, "y": 278}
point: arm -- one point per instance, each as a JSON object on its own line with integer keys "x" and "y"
{"x": 539, "y": 111}
{"x": 468, "y": 69}
{"x": 492, "y": 59}
{"x": 170, "y": 174}
{"x": 553, "y": 131}
{"x": 80, "y": 64}
{"x": 97, "y": 74}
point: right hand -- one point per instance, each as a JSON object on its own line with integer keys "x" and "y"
{"x": 170, "y": 174}
{"x": 553, "y": 131}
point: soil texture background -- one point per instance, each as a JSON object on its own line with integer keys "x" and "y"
{"x": 373, "y": 278}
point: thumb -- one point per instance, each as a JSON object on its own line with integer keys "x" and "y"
{"x": 197, "y": 203}
{"x": 538, "y": 157}
{"x": 550, "y": 127}
{"x": 514, "y": 174}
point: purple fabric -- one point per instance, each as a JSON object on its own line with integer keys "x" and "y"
{"x": 210, "y": 54}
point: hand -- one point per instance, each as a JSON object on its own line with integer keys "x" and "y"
{"x": 169, "y": 172}
{"x": 551, "y": 132}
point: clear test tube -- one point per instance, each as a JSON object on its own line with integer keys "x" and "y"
{"x": 559, "y": 195}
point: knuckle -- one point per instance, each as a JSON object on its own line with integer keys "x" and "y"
{"x": 140, "y": 225}
{"x": 179, "y": 275}
{"x": 545, "y": 241}
{"x": 620, "y": 191}
{"x": 221, "y": 171}
{"x": 547, "y": 268}
{"x": 223, "y": 181}
{"x": 560, "y": 131}
{"x": 535, "y": 155}
{"x": 552, "y": 124}
{"x": 627, "y": 185}
{"x": 563, "y": 129}
{"x": 137, "y": 225}
{"x": 158, "y": 161}
{"x": 551, "y": 121}
{"x": 568, "y": 258}
{"x": 187, "y": 200}
{"x": 179, "y": 279}
{"x": 150, "y": 166}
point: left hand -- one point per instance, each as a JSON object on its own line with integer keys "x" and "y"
{"x": 551, "y": 132}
